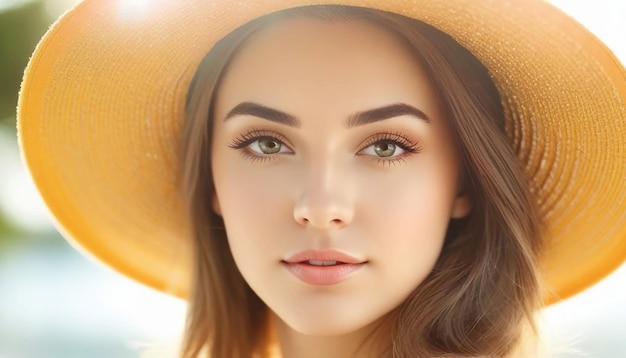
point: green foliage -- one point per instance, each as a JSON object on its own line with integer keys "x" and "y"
{"x": 20, "y": 30}
{"x": 8, "y": 232}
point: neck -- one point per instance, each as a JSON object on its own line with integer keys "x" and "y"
{"x": 367, "y": 342}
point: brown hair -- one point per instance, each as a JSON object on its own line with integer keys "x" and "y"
{"x": 482, "y": 292}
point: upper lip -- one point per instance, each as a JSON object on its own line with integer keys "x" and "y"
{"x": 323, "y": 255}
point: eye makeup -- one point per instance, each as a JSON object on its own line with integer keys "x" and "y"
{"x": 384, "y": 147}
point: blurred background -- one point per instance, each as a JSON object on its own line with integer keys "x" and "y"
{"x": 56, "y": 303}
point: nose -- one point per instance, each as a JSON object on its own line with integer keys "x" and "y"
{"x": 325, "y": 199}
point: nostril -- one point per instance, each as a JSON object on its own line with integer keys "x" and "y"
{"x": 322, "y": 216}
{"x": 302, "y": 221}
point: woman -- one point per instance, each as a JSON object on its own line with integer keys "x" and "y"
{"x": 349, "y": 184}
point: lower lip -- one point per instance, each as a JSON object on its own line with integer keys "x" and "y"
{"x": 322, "y": 275}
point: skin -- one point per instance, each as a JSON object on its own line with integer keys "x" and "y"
{"x": 324, "y": 185}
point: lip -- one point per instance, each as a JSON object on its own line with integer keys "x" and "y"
{"x": 323, "y": 255}
{"x": 323, "y": 275}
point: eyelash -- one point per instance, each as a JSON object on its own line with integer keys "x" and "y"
{"x": 410, "y": 147}
{"x": 245, "y": 139}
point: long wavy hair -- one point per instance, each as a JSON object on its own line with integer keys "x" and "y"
{"x": 483, "y": 291}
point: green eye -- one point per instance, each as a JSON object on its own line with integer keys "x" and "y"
{"x": 384, "y": 149}
{"x": 261, "y": 144}
{"x": 269, "y": 145}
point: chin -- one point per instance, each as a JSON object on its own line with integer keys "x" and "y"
{"x": 328, "y": 323}
{"x": 324, "y": 329}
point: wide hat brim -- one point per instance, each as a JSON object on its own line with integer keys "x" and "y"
{"x": 103, "y": 100}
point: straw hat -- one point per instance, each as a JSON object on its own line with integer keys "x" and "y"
{"x": 103, "y": 100}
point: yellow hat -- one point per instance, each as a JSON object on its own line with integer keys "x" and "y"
{"x": 103, "y": 99}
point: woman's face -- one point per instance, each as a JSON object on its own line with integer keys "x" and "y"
{"x": 335, "y": 172}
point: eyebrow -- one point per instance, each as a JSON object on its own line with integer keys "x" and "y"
{"x": 355, "y": 120}
{"x": 257, "y": 110}
{"x": 386, "y": 112}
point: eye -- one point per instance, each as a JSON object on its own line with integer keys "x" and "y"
{"x": 383, "y": 149}
{"x": 389, "y": 147}
{"x": 266, "y": 145}
{"x": 260, "y": 144}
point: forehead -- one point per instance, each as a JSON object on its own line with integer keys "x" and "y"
{"x": 322, "y": 39}
{"x": 345, "y": 58}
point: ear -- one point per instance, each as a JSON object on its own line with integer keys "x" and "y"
{"x": 215, "y": 203}
{"x": 461, "y": 207}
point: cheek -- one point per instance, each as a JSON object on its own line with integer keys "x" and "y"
{"x": 413, "y": 224}
{"x": 411, "y": 202}
{"x": 242, "y": 188}
{"x": 251, "y": 202}
{"x": 409, "y": 219}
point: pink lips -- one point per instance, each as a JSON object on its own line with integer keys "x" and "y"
{"x": 323, "y": 268}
